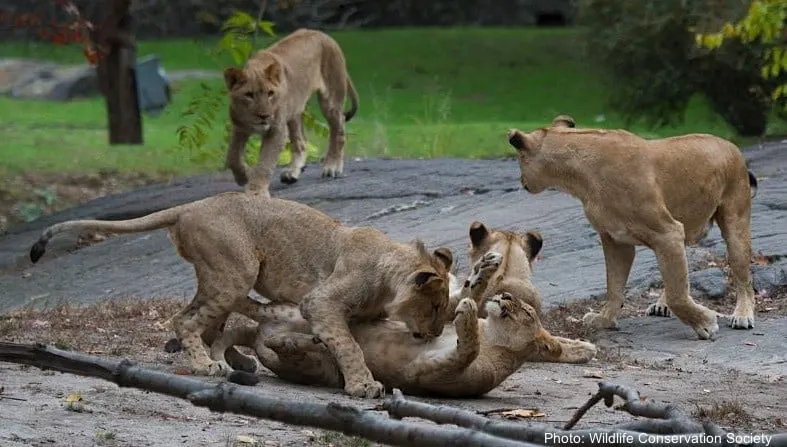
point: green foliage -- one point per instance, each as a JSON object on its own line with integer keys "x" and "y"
{"x": 239, "y": 35}
{"x": 655, "y": 69}
{"x": 763, "y": 25}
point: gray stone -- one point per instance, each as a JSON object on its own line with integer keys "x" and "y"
{"x": 709, "y": 282}
{"x": 768, "y": 277}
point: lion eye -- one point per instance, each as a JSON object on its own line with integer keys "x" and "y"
{"x": 250, "y": 94}
{"x": 270, "y": 93}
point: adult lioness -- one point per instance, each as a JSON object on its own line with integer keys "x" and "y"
{"x": 470, "y": 358}
{"x": 268, "y": 97}
{"x": 289, "y": 252}
{"x": 660, "y": 193}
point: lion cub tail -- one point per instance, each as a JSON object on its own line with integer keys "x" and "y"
{"x": 348, "y": 115}
{"x": 154, "y": 221}
{"x": 753, "y": 184}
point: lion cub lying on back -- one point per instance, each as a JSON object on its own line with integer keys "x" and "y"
{"x": 472, "y": 357}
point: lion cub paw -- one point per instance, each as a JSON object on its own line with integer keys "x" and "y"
{"x": 597, "y": 321}
{"x": 332, "y": 169}
{"x": 213, "y": 369}
{"x": 466, "y": 307}
{"x": 466, "y": 315}
{"x": 366, "y": 389}
{"x": 484, "y": 269}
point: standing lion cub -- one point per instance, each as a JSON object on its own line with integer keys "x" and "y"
{"x": 661, "y": 193}
{"x": 291, "y": 253}
{"x": 268, "y": 97}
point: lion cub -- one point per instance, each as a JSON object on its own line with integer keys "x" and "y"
{"x": 268, "y": 97}
{"x": 660, "y": 193}
{"x": 472, "y": 356}
{"x": 291, "y": 253}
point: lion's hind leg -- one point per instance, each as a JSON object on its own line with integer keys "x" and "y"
{"x": 303, "y": 358}
{"x": 554, "y": 349}
{"x": 221, "y": 284}
{"x": 331, "y": 104}
{"x": 434, "y": 366}
{"x": 668, "y": 245}
{"x": 659, "y": 308}
{"x": 735, "y": 225}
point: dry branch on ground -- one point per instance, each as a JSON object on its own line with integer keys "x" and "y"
{"x": 471, "y": 428}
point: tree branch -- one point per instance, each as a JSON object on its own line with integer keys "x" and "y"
{"x": 226, "y": 397}
{"x": 474, "y": 429}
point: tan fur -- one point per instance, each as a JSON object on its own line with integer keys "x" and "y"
{"x": 662, "y": 194}
{"x": 291, "y": 253}
{"x": 268, "y": 97}
{"x": 519, "y": 251}
{"x": 472, "y": 356}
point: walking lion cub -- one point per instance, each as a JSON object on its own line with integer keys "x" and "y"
{"x": 268, "y": 97}
{"x": 470, "y": 358}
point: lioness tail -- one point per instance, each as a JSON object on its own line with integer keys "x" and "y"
{"x": 154, "y": 221}
{"x": 753, "y": 183}
{"x": 348, "y": 115}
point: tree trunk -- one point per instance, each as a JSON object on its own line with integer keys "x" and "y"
{"x": 116, "y": 74}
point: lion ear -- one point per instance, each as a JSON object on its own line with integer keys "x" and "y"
{"x": 478, "y": 232}
{"x": 232, "y": 76}
{"x": 534, "y": 244}
{"x": 273, "y": 73}
{"x": 426, "y": 279}
{"x": 564, "y": 121}
{"x": 525, "y": 142}
{"x": 445, "y": 256}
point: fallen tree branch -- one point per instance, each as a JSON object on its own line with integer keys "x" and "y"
{"x": 226, "y": 397}
{"x": 636, "y": 433}
{"x": 474, "y": 429}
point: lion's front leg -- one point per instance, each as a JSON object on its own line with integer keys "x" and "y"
{"x": 478, "y": 280}
{"x": 291, "y": 173}
{"x": 235, "y": 154}
{"x": 468, "y": 345}
{"x": 618, "y": 259}
{"x": 321, "y": 307}
{"x": 273, "y": 142}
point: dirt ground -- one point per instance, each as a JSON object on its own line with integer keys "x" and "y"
{"x": 737, "y": 380}
{"x": 27, "y": 195}
{"x": 36, "y": 411}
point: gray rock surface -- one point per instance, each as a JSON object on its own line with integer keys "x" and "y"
{"x": 708, "y": 282}
{"x": 435, "y": 200}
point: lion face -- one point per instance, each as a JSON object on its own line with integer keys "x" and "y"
{"x": 254, "y": 96}
{"x": 422, "y": 300}
{"x": 483, "y": 240}
{"x": 516, "y": 324}
{"x": 532, "y": 166}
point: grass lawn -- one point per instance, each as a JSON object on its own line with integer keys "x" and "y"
{"x": 424, "y": 93}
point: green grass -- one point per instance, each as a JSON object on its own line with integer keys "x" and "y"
{"x": 424, "y": 93}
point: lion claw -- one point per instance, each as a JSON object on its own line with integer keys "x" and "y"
{"x": 658, "y": 310}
